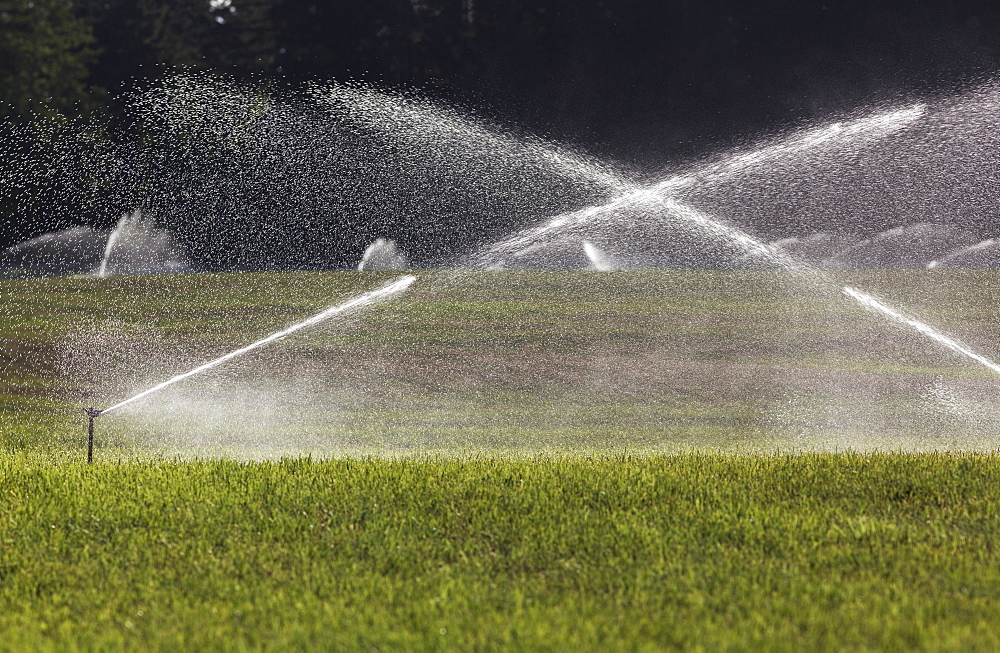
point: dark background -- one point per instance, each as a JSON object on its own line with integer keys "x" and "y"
{"x": 647, "y": 83}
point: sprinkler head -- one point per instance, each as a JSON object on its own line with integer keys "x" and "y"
{"x": 91, "y": 413}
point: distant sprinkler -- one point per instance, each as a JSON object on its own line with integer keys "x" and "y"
{"x": 398, "y": 285}
{"x": 91, "y": 413}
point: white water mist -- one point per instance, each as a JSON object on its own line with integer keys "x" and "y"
{"x": 399, "y": 285}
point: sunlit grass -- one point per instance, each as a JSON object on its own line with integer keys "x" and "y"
{"x": 493, "y": 472}
{"x": 800, "y": 552}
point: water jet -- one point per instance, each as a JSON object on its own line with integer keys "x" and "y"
{"x": 447, "y": 174}
{"x": 399, "y": 285}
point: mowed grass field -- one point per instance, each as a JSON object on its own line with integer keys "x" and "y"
{"x": 709, "y": 552}
{"x": 530, "y": 361}
{"x": 623, "y": 520}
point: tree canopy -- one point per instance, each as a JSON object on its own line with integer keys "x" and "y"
{"x": 47, "y": 53}
{"x": 584, "y": 70}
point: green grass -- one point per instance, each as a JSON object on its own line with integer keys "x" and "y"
{"x": 665, "y": 361}
{"x": 489, "y": 468}
{"x": 803, "y": 552}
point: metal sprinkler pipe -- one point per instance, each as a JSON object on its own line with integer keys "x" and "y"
{"x": 91, "y": 413}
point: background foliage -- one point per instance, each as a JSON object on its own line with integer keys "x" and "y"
{"x": 651, "y": 85}
{"x": 640, "y": 79}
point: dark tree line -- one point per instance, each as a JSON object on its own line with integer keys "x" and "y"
{"x": 648, "y": 83}
{"x": 635, "y": 76}
{"x": 75, "y": 55}
{"x": 72, "y": 56}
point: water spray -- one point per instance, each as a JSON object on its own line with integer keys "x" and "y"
{"x": 393, "y": 287}
{"x": 869, "y": 302}
{"x": 662, "y": 195}
{"x": 659, "y": 197}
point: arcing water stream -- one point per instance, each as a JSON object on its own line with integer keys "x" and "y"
{"x": 402, "y": 116}
{"x": 657, "y": 198}
{"x": 109, "y": 247}
{"x": 397, "y": 286}
{"x": 867, "y": 301}
{"x": 631, "y": 198}
{"x": 230, "y": 171}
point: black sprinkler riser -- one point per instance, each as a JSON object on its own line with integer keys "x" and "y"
{"x": 91, "y": 413}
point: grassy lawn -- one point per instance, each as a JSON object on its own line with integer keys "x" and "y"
{"x": 531, "y": 361}
{"x": 801, "y": 552}
{"x": 499, "y": 461}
